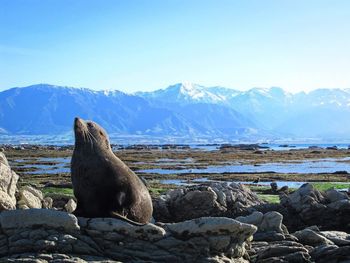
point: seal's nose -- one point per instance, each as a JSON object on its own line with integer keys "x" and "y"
{"x": 77, "y": 121}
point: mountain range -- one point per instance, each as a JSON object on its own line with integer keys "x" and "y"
{"x": 182, "y": 109}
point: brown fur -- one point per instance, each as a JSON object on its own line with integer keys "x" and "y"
{"x": 103, "y": 185}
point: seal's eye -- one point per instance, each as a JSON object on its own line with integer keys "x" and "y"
{"x": 89, "y": 124}
{"x": 101, "y": 133}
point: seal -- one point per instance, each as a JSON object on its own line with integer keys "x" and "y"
{"x": 103, "y": 185}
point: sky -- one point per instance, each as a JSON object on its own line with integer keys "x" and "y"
{"x": 134, "y": 45}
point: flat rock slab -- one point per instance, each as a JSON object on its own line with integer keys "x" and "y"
{"x": 212, "y": 225}
{"x": 29, "y": 218}
{"x": 147, "y": 231}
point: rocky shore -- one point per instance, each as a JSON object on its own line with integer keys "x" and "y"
{"x": 221, "y": 222}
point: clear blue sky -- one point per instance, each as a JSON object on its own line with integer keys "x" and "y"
{"x": 145, "y": 45}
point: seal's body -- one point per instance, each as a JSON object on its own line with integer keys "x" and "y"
{"x": 103, "y": 185}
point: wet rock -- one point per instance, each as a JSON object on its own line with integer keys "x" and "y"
{"x": 218, "y": 199}
{"x": 8, "y": 185}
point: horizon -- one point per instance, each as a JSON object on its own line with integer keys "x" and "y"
{"x": 134, "y": 46}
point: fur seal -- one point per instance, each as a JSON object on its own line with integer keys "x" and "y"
{"x": 103, "y": 185}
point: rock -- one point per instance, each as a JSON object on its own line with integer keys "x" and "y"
{"x": 339, "y": 238}
{"x": 29, "y": 218}
{"x": 332, "y": 148}
{"x": 272, "y": 221}
{"x": 269, "y": 236}
{"x": 308, "y": 206}
{"x": 301, "y": 199}
{"x": 218, "y": 199}
{"x": 333, "y": 195}
{"x": 274, "y": 187}
{"x": 47, "y": 202}
{"x": 310, "y": 237}
{"x": 70, "y": 206}
{"x": 6, "y": 203}
{"x": 284, "y": 189}
{"x": 3, "y": 159}
{"x": 55, "y": 236}
{"x": 147, "y": 231}
{"x": 216, "y": 225}
{"x": 55, "y": 257}
{"x": 8, "y": 185}
{"x": 255, "y": 218}
{"x": 330, "y": 254}
{"x": 30, "y": 197}
{"x": 283, "y": 251}
{"x": 340, "y": 205}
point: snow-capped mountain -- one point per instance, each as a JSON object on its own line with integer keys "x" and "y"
{"x": 47, "y": 109}
{"x": 188, "y": 93}
{"x": 182, "y": 109}
{"x": 319, "y": 113}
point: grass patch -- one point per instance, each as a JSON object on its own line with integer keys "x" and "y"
{"x": 58, "y": 191}
{"x": 273, "y": 199}
{"x": 259, "y": 188}
{"x": 155, "y": 191}
{"x": 327, "y": 185}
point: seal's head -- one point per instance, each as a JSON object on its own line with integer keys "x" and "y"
{"x": 90, "y": 135}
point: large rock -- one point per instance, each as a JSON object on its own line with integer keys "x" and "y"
{"x": 269, "y": 225}
{"x": 56, "y": 237}
{"x": 333, "y": 195}
{"x": 283, "y": 252}
{"x": 331, "y": 254}
{"x": 329, "y": 210}
{"x": 207, "y": 226}
{"x": 30, "y": 197}
{"x": 110, "y": 225}
{"x": 8, "y": 185}
{"x": 219, "y": 199}
{"x": 337, "y": 237}
{"x": 34, "y": 218}
{"x": 312, "y": 238}
{"x": 271, "y": 221}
